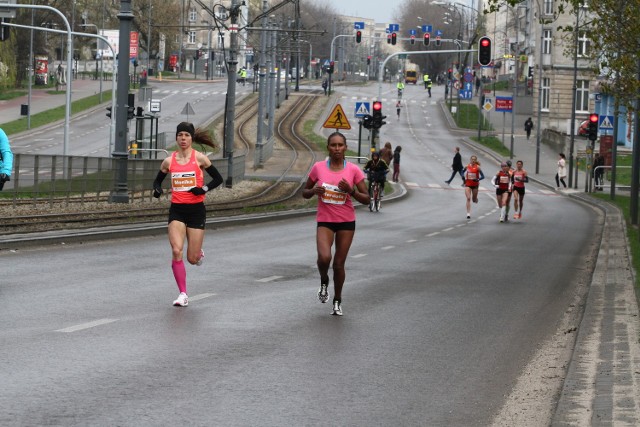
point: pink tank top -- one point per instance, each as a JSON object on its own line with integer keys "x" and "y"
{"x": 184, "y": 178}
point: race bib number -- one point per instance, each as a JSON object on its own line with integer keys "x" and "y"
{"x": 333, "y": 195}
{"x": 183, "y": 181}
{"x": 504, "y": 179}
{"x": 471, "y": 175}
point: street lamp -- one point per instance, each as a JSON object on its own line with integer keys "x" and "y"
{"x": 310, "y": 56}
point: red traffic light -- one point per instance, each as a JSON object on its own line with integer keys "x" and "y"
{"x": 358, "y": 36}
{"x": 485, "y": 42}
{"x": 377, "y": 106}
{"x": 426, "y": 39}
{"x": 394, "y": 38}
{"x": 593, "y": 118}
{"x": 484, "y": 51}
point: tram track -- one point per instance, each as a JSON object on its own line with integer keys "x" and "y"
{"x": 278, "y": 190}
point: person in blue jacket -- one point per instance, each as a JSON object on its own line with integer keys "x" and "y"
{"x": 6, "y": 159}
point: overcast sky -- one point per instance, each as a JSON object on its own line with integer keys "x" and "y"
{"x": 378, "y": 10}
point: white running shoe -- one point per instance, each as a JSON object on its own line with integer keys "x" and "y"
{"x": 323, "y": 293}
{"x": 199, "y": 261}
{"x": 182, "y": 300}
{"x": 468, "y": 216}
{"x": 337, "y": 308}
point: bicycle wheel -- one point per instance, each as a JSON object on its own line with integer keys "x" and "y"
{"x": 376, "y": 197}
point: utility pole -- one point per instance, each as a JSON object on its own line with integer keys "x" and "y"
{"x": 120, "y": 193}
{"x": 230, "y": 109}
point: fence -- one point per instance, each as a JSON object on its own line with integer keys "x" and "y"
{"x": 60, "y": 179}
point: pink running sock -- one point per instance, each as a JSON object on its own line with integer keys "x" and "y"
{"x": 180, "y": 273}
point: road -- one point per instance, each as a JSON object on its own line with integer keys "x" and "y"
{"x": 90, "y": 131}
{"x": 441, "y": 313}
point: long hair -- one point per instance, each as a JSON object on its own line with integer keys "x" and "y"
{"x": 202, "y": 136}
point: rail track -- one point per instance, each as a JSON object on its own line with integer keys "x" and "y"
{"x": 277, "y": 191}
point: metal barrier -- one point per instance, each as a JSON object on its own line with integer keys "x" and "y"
{"x": 604, "y": 175}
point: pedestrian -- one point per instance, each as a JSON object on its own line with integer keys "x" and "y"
{"x": 398, "y": 108}
{"x": 562, "y": 171}
{"x": 396, "y": 163}
{"x": 478, "y": 84}
{"x": 598, "y": 171}
{"x": 456, "y": 166}
{"x": 472, "y": 175}
{"x": 386, "y": 153}
{"x": 429, "y": 85}
{"x": 336, "y": 182}
{"x": 519, "y": 178}
{"x": 528, "y": 125}
{"x": 325, "y": 84}
{"x": 502, "y": 181}
{"x": 425, "y": 78}
{"x": 6, "y": 159}
{"x": 187, "y": 214}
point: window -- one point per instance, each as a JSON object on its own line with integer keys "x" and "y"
{"x": 582, "y": 95}
{"x": 583, "y": 44}
{"x": 547, "y": 42}
{"x": 548, "y": 7}
{"x": 191, "y": 38}
{"x": 546, "y": 93}
{"x": 193, "y": 15}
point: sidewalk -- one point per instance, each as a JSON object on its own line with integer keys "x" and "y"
{"x": 602, "y": 386}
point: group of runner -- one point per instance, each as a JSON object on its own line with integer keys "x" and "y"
{"x": 508, "y": 182}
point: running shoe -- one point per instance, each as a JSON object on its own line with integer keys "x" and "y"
{"x": 323, "y": 294}
{"x": 182, "y": 300}
{"x": 337, "y": 308}
{"x": 501, "y": 219}
{"x": 199, "y": 261}
{"x": 516, "y": 216}
{"x": 468, "y": 216}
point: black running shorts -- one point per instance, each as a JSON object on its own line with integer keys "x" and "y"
{"x": 192, "y": 215}
{"x": 338, "y": 226}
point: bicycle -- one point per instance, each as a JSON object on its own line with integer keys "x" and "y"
{"x": 374, "y": 203}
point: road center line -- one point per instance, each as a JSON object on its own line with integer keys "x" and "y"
{"x": 269, "y": 279}
{"x": 200, "y": 296}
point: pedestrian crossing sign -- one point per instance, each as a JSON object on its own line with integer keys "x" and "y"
{"x": 606, "y": 122}
{"x": 337, "y": 119}
{"x": 362, "y": 109}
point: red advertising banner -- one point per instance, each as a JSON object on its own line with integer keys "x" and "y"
{"x": 133, "y": 44}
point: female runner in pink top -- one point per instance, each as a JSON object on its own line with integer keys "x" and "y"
{"x": 187, "y": 214}
{"x": 335, "y": 181}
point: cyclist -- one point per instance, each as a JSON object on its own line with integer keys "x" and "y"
{"x": 376, "y": 170}
{"x": 400, "y": 87}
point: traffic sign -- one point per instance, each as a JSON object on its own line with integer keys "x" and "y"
{"x": 412, "y": 32}
{"x": 606, "y": 122}
{"x": 488, "y": 104}
{"x": 438, "y": 33}
{"x": 468, "y": 77}
{"x": 8, "y": 13}
{"x": 362, "y": 109}
{"x": 504, "y": 104}
{"x": 358, "y": 25}
{"x": 394, "y": 27}
{"x": 337, "y": 119}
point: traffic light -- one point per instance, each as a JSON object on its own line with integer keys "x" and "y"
{"x": 394, "y": 38}
{"x": 413, "y": 40}
{"x": 331, "y": 65}
{"x": 484, "y": 51}
{"x": 388, "y": 38}
{"x": 377, "y": 120}
{"x": 593, "y": 127}
{"x": 109, "y": 112}
{"x": 130, "y": 111}
{"x": 426, "y": 39}
{"x": 438, "y": 40}
{"x": 530, "y": 72}
{"x": 367, "y": 121}
{"x": 358, "y": 36}
{"x": 368, "y": 60}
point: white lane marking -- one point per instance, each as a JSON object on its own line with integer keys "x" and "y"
{"x": 410, "y": 184}
{"x": 448, "y": 229}
{"x": 411, "y": 241}
{"x": 435, "y": 186}
{"x": 386, "y": 248}
{"x": 545, "y": 191}
{"x": 435, "y": 233}
{"x": 359, "y": 256}
{"x": 87, "y": 325}
{"x": 269, "y": 279}
{"x": 201, "y": 296}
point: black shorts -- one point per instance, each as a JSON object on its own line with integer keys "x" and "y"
{"x": 519, "y": 190}
{"x": 500, "y": 192}
{"x": 192, "y": 215}
{"x": 338, "y": 226}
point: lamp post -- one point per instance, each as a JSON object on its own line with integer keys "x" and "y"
{"x": 310, "y": 56}
{"x": 97, "y": 45}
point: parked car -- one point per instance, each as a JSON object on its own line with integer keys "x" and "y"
{"x": 583, "y": 129}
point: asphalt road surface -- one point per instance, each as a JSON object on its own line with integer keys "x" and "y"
{"x": 440, "y": 313}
